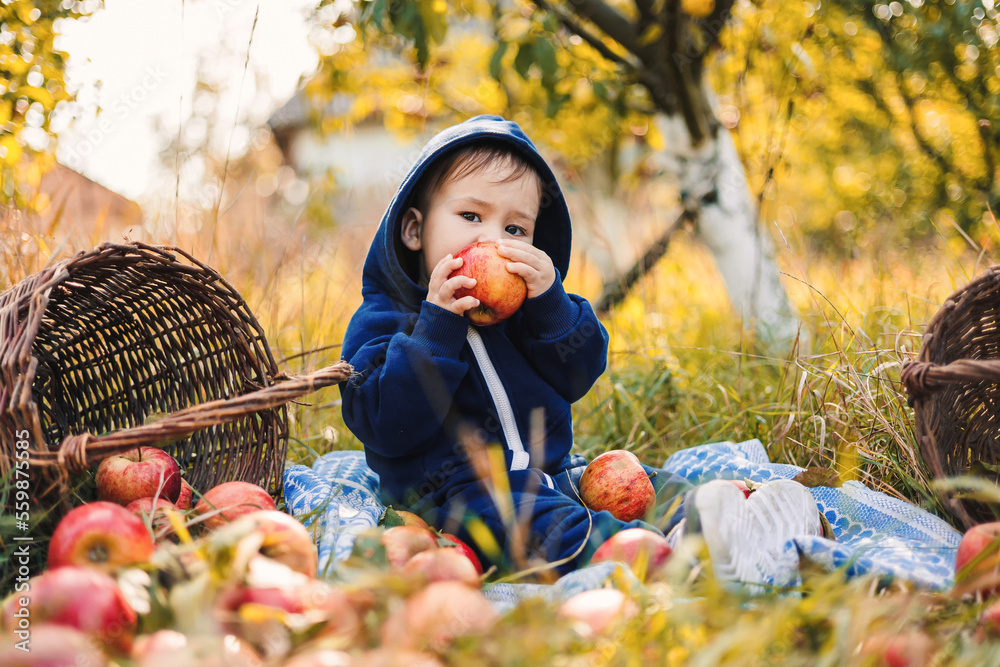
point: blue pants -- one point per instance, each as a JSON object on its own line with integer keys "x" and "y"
{"x": 553, "y": 524}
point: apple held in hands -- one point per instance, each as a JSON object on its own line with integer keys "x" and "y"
{"x": 138, "y": 473}
{"x": 499, "y": 291}
{"x": 615, "y": 481}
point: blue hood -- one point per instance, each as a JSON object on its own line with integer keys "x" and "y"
{"x": 384, "y": 270}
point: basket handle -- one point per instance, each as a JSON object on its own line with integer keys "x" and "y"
{"x": 77, "y": 453}
{"x": 923, "y": 378}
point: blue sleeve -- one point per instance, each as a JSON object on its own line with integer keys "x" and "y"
{"x": 564, "y": 341}
{"x": 404, "y": 383}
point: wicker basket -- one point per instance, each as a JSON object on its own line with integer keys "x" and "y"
{"x": 954, "y": 388}
{"x": 130, "y": 345}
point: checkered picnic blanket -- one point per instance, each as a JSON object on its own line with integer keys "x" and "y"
{"x": 875, "y": 533}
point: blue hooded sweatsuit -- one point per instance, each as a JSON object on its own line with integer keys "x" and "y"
{"x": 425, "y": 376}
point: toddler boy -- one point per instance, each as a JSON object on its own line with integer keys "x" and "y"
{"x": 427, "y": 382}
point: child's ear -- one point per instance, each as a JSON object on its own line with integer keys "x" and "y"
{"x": 412, "y": 225}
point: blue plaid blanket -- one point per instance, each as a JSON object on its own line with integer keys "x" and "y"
{"x": 875, "y": 533}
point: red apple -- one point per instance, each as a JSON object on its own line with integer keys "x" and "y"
{"x": 499, "y": 291}
{"x": 913, "y": 648}
{"x": 159, "y": 643}
{"x": 642, "y": 550}
{"x": 403, "y": 542}
{"x": 466, "y": 551}
{"x": 411, "y": 519}
{"x": 977, "y": 562}
{"x": 434, "y": 616}
{"x": 52, "y": 646}
{"x": 155, "y": 513}
{"x": 742, "y": 486}
{"x": 989, "y": 623}
{"x": 138, "y": 473}
{"x": 441, "y": 564}
{"x": 615, "y": 481}
{"x": 343, "y": 611}
{"x": 285, "y": 539}
{"x": 598, "y": 610}
{"x": 397, "y": 657}
{"x": 77, "y": 597}
{"x": 205, "y": 650}
{"x": 323, "y": 657}
{"x": 100, "y": 535}
{"x": 184, "y": 499}
{"x": 229, "y": 500}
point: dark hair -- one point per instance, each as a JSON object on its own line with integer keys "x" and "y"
{"x": 470, "y": 159}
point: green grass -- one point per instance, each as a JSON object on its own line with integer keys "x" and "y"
{"x": 681, "y": 372}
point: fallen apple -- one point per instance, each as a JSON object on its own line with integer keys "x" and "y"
{"x": 466, "y": 551}
{"x": 154, "y": 512}
{"x": 989, "y": 623}
{"x": 598, "y": 610}
{"x": 100, "y": 535}
{"x": 436, "y": 615}
{"x": 441, "y": 564}
{"x": 403, "y": 542}
{"x": 52, "y": 646}
{"x": 77, "y": 597}
{"x": 224, "y": 503}
{"x": 615, "y": 481}
{"x": 285, "y": 539}
{"x": 323, "y": 657}
{"x": 913, "y": 648}
{"x": 411, "y": 519}
{"x": 977, "y": 561}
{"x": 206, "y": 650}
{"x": 394, "y": 657}
{"x": 499, "y": 291}
{"x": 644, "y": 551}
{"x": 138, "y": 473}
{"x": 184, "y": 499}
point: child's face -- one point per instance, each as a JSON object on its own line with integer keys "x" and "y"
{"x": 481, "y": 206}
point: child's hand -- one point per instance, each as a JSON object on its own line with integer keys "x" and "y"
{"x": 441, "y": 289}
{"x": 530, "y": 263}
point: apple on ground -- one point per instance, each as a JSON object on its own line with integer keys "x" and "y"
{"x": 271, "y": 602}
{"x": 411, "y": 519}
{"x": 615, "y": 481}
{"x": 324, "y": 657}
{"x": 78, "y": 597}
{"x": 441, "y": 564}
{"x": 138, "y": 473}
{"x": 644, "y": 551}
{"x": 436, "y": 615}
{"x": 154, "y": 511}
{"x": 403, "y": 542}
{"x": 977, "y": 561}
{"x": 499, "y": 291}
{"x": 598, "y": 610}
{"x": 340, "y": 610}
{"x": 913, "y": 648}
{"x": 285, "y": 539}
{"x": 385, "y": 656}
{"x": 989, "y": 623}
{"x": 161, "y": 642}
{"x": 52, "y": 646}
{"x": 100, "y": 535}
{"x": 226, "y": 502}
{"x": 466, "y": 551}
{"x": 186, "y": 495}
{"x": 206, "y": 650}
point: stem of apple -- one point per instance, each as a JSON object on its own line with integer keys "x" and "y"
{"x": 652, "y": 474}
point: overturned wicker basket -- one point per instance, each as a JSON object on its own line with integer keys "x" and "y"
{"x": 130, "y": 345}
{"x": 954, "y": 388}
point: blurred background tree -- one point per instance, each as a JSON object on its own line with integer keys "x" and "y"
{"x": 32, "y": 91}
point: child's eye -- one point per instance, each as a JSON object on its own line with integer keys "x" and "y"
{"x": 471, "y": 217}
{"x": 514, "y": 230}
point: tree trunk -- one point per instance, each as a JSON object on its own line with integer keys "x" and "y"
{"x": 714, "y": 185}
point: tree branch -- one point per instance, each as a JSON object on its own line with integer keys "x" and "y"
{"x": 585, "y": 35}
{"x": 614, "y": 293}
